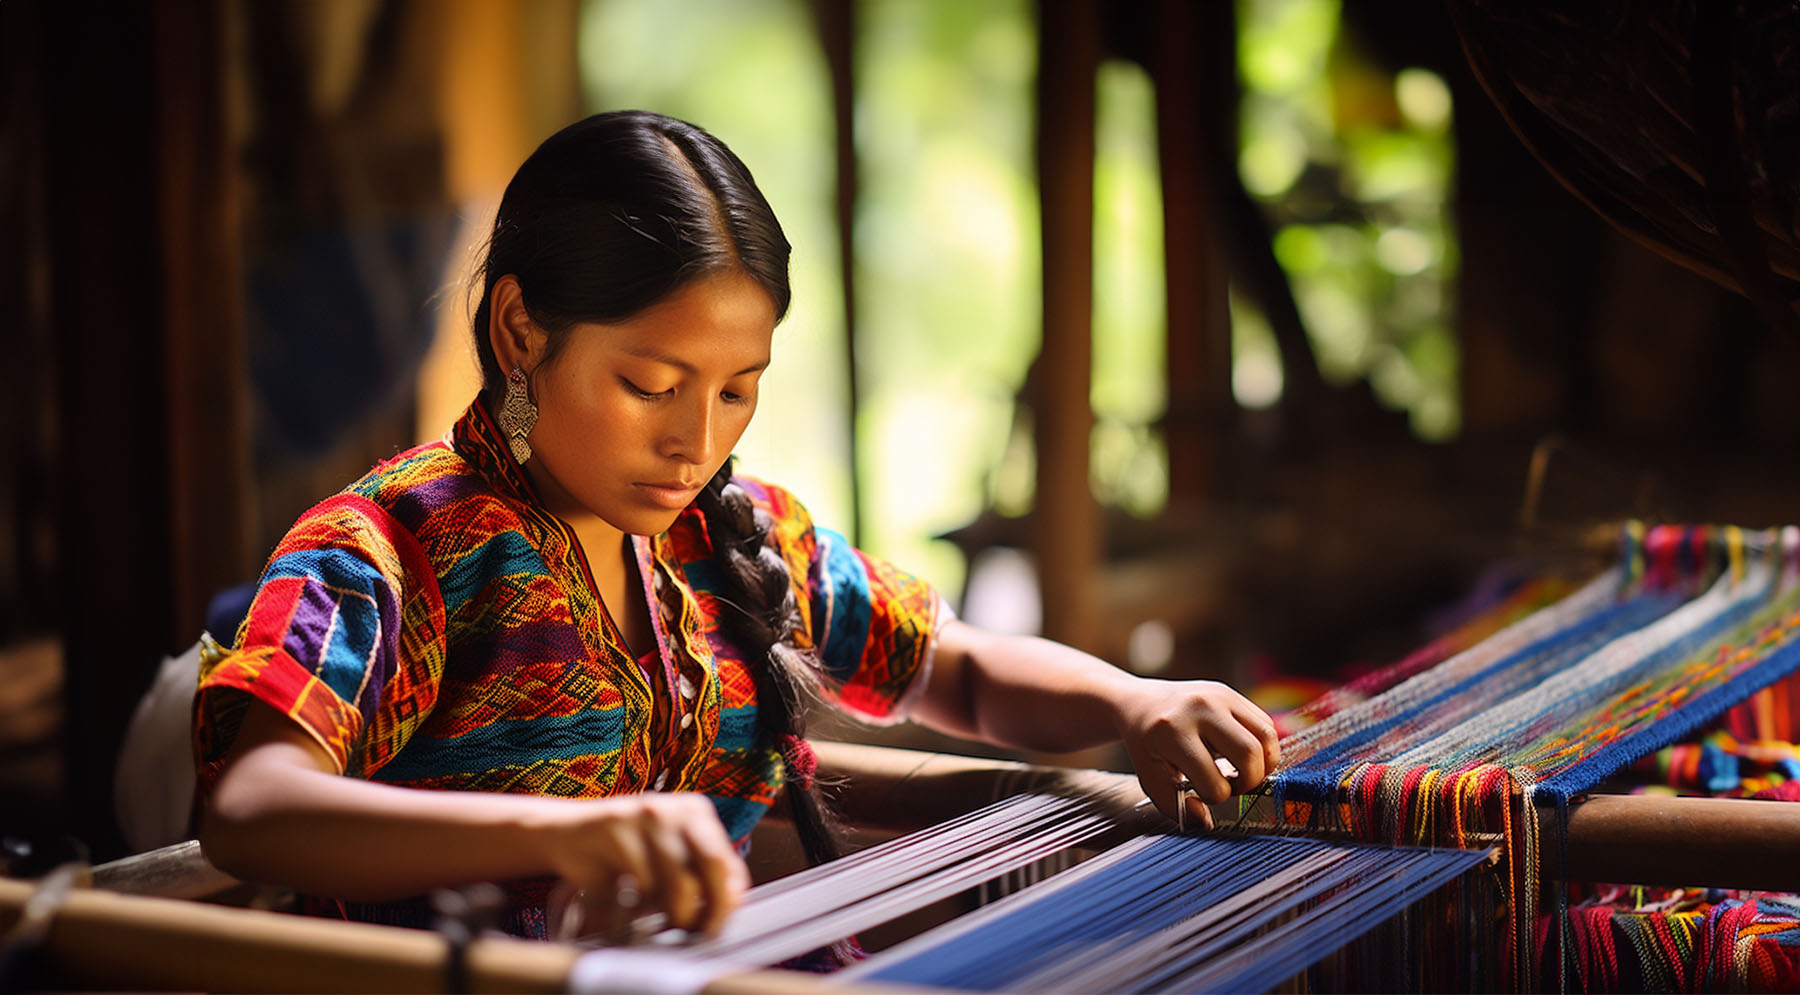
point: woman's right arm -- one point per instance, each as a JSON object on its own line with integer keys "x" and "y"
{"x": 280, "y": 813}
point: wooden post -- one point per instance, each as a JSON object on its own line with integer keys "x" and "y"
{"x": 100, "y": 940}
{"x": 1189, "y": 52}
{"x": 1067, "y": 529}
{"x": 113, "y": 544}
{"x": 836, "y": 20}
{"x": 205, "y": 365}
{"x": 148, "y": 363}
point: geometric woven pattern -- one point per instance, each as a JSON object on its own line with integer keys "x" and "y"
{"x": 432, "y": 626}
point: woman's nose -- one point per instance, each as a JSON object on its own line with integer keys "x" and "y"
{"x": 691, "y": 436}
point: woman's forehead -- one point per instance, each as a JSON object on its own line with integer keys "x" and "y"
{"x": 724, "y": 320}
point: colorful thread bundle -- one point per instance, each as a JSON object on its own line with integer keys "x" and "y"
{"x": 1674, "y": 940}
{"x": 1689, "y": 624}
{"x": 1751, "y": 753}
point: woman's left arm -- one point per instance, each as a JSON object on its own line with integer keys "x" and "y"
{"x": 1031, "y": 693}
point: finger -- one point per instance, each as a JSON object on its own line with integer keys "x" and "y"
{"x": 630, "y": 854}
{"x": 722, "y": 875}
{"x": 619, "y": 892}
{"x": 1186, "y": 753}
{"x": 1237, "y": 746}
{"x": 566, "y": 912}
{"x": 678, "y": 888}
{"x": 1157, "y": 779}
{"x": 1263, "y": 727}
{"x": 607, "y": 910}
{"x": 1197, "y": 812}
{"x": 1204, "y": 774}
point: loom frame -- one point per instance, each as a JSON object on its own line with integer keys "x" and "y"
{"x": 138, "y": 929}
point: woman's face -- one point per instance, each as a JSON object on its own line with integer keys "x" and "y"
{"x": 635, "y": 417}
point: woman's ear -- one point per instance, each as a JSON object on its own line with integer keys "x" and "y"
{"x": 515, "y": 338}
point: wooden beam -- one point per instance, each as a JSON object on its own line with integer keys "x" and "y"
{"x": 205, "y": 362}
{"x": 153, "y": 448}
{"x": 1715, "y": 842}
{"x": 1191, "y": 66}
{"x": 836, "y": 21}
{"x": 1067, "y": 539}
{"x": 112, "y": 413}
{"x": 106, "y": 941}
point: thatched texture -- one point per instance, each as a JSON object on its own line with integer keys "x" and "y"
{"x": 1677, "y": 120}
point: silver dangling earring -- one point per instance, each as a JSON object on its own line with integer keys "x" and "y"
{"x": 517, "y": 415}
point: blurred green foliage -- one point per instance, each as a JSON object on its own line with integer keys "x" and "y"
{"x": 947, "y": 267}
{"x": 1129, "y": 464}
{"x": 1352, "y": 165}
{"x": 751, "y": 72}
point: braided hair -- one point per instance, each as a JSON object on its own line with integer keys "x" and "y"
{"x": 607, "y": 217}
{"x": 762, "y": 618}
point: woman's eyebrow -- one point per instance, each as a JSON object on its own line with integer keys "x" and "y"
{"x": 655, "y": 356}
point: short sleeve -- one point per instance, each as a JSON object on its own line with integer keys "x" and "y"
{"x": 873, "y": 625}
{"x": 346, "y": 612}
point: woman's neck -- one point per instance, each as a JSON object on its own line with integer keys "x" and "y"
{"x": 610, "y": 558}
{"x": 596, "y": 533}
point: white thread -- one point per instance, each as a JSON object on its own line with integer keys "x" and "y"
{"x": 614, "y": 971}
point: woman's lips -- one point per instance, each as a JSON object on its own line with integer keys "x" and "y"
{"x": 674, "y": 496}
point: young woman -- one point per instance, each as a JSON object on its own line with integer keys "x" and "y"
{"x": 566, "y": 644}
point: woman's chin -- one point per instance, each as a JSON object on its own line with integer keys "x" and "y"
{"x": 645, "y": 521}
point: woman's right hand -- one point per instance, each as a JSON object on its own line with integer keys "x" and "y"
{"x": 634, "y": 854}
{"x": 282, "y": 813}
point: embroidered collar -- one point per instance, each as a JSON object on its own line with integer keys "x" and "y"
{"x": 477, "y": 439}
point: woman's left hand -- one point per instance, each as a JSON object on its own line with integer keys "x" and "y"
{"x": 1176, "y": 730}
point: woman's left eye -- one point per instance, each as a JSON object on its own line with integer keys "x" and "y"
{"x": 732, "y": 398}
{"x": 641, "y": 392}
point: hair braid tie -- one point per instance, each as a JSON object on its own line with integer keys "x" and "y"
{"x": 802, "y": 763}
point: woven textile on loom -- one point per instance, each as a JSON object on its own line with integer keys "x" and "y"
{"x": 1465, "y": 752}
{"x": 1152, "y": 913}
{"x": 1490, "y": 743}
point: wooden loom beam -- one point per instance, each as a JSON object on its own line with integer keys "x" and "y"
{"x": 1718, "y": 842}
{"x": 99, "y": 939}
{"x": 103, "y": 940}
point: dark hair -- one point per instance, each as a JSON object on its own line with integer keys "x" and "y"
{"x": 609, "y": 216}
{"x": 614, "y": 213}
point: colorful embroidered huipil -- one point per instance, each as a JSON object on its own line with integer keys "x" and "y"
{"x": 433, "y": 626}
